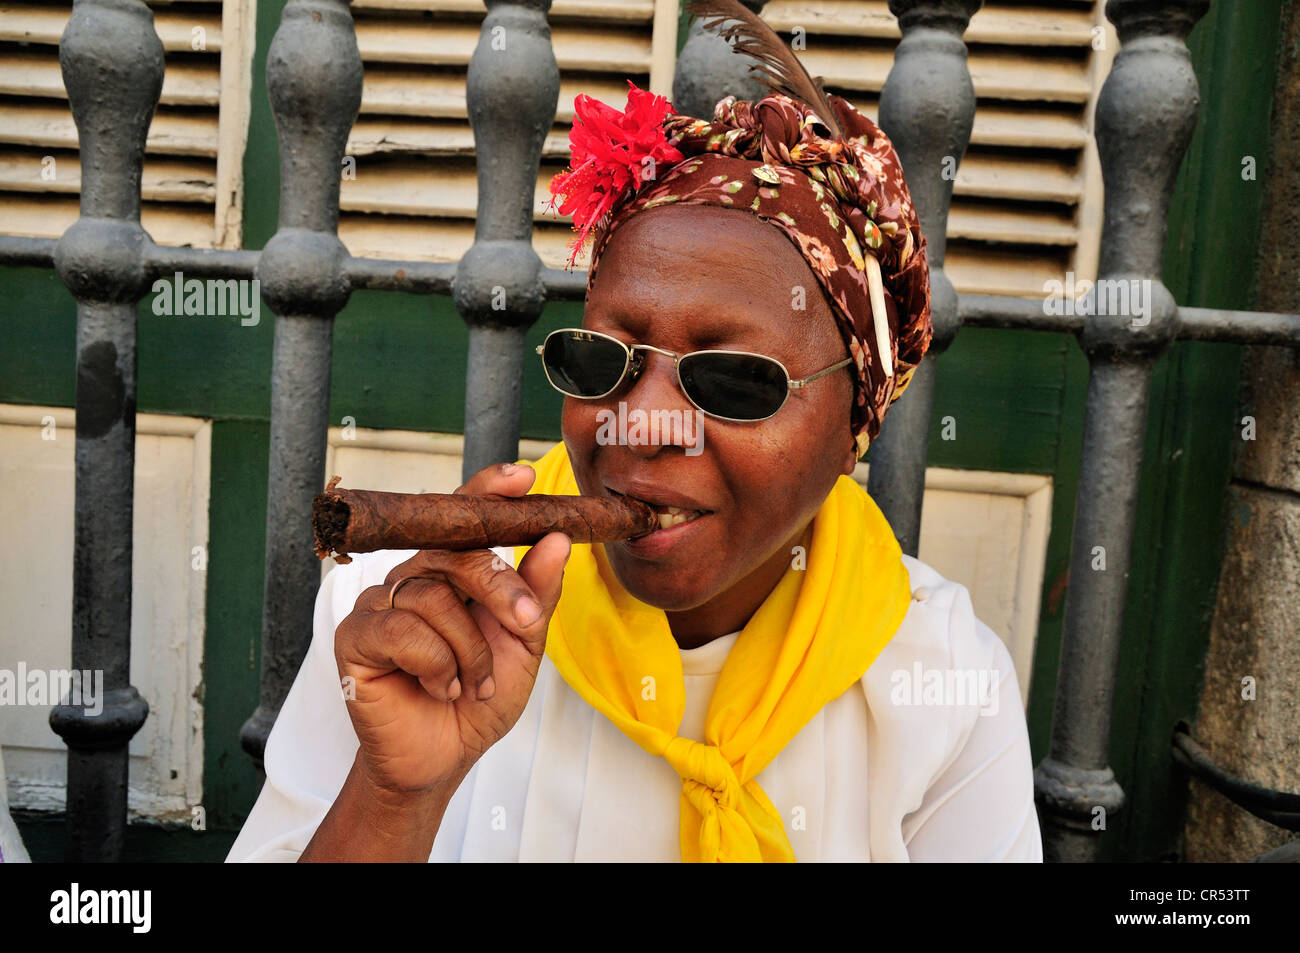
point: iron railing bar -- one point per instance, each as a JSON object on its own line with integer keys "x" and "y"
{"x": 498, "y": 288}
{"x": 1145, "y": 117}
{"x": 313, "y": 80}
{"x": 564, "y": 285}
{"x": 412, "y": 277}
{"x": 164, "y": 260}
{"x": 927, "y": 108}
{"x": 1194, "y": 324}
{"x": 1239, "y": 327}
{"x": 18, "y": 251}
{"x": 1276, "y": 807}
{"x": 112, "y": 65}
{"x": 1287, "y": 820}
{"x": 1020, "y": 314}
{"x": 429, "y": 277}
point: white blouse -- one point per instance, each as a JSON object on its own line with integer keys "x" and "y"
{"x": 925, "y": 759}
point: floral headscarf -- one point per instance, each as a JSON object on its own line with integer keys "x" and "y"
{"x": 837, "y": 200}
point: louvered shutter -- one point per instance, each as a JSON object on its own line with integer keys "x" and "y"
{"x": 1026, "y": 204}
{"x": 192, "y": 181}
{"x": 1027, "y": 197}
{"x": 416, "y": 54}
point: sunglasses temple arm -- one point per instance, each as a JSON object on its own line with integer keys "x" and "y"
{"x": 796, "y": 384}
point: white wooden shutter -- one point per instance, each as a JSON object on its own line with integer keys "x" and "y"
{"x": 414, "y": 195}
{"x": 192, "y": 183}
{"x": 1027, "y": 196}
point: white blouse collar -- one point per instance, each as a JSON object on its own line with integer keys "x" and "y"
{"x": 709, "y": 658}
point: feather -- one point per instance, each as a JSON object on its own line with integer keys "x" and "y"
{"x": 879, "y": 316}
{"x": 777, "y": 65}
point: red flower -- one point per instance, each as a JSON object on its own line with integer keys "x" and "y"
{"x": 612, "y": 154}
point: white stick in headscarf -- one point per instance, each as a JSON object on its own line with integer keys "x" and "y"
{"x": 879, "y": 316}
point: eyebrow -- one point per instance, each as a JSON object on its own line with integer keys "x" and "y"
{"x": 722, "y": 330}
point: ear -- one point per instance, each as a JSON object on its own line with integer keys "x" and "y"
{"x": 850, "y": 458}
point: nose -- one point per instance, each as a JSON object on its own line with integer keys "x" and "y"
{"x": 656, "y": 399}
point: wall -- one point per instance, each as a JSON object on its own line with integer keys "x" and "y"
{"x": 1253, "y": 731}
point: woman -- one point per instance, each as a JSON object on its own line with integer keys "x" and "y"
{"x": 732, "y": 686}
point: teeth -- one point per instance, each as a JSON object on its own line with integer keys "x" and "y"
{"x": 670, "y": 516}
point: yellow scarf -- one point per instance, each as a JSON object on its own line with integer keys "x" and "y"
{"x": 813, "y": 637}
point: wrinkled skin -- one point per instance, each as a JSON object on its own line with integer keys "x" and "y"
{"x": 690, "y": 277}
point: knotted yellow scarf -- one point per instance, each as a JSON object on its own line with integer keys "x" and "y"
{"x": 813, "y": 637}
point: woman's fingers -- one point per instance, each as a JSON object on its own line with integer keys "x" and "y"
{"x": 434, "y": 586}
{"x": 542, "y": 568}
{"x": 399, "y": 639}
{"x": 437, "y": 603}
{"x": 507, "y": 479}
{"x": 448, "y": 647}
{"x": 479, "y": 575}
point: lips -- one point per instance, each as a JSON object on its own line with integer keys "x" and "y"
{"x": 673, "y": 508}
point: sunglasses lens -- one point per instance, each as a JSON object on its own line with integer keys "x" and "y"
{"x": 583, "y": 365}
{"x": 739, "y": 386}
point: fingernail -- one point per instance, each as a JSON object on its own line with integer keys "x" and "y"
{"x": 486, "y": 688}
{"x": 508, "y": 468}
{"x": 453, "y": 690}
{"x": 527, "y": 611}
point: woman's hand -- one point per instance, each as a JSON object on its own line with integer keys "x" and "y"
{"x": 445, "y": 674}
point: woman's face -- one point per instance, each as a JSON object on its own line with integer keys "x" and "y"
{"x": 686, "y": 278}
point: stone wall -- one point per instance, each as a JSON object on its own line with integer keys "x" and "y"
{"x": 1256, "y": 629}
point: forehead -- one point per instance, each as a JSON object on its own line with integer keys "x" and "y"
{"x": 703, "y": 232}
{"x": 708, "y": 275}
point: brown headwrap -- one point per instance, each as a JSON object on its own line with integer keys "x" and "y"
{"x": 836, "y": 200}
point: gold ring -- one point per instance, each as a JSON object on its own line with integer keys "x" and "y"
{"x": 392, "y": 593}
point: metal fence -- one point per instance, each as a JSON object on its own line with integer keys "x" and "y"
{"x": 112, "y": 64}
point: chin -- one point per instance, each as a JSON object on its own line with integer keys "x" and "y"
{"x": 661, "y": 586}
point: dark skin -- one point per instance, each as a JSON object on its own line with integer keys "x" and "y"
{"x": 445, "y": 672}
{"x": 661, "y": 273}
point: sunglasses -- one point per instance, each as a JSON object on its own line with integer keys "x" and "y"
{"x": 730, "y": 385}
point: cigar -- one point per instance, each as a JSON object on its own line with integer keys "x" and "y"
{"x": 363, "y": 521}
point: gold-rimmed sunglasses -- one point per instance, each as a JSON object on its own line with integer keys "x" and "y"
{"x": 730, "y": 385}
